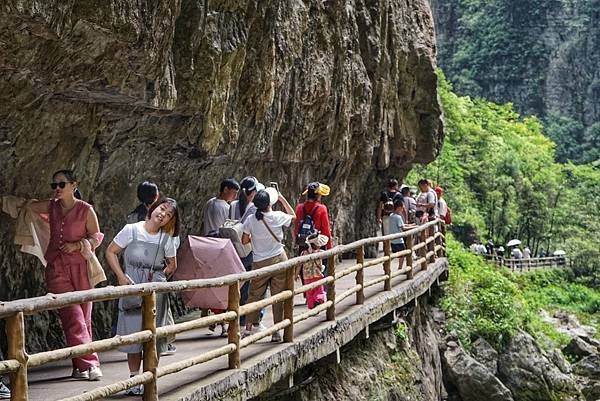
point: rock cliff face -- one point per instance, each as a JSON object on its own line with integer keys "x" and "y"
{"x": 187, "y": 93}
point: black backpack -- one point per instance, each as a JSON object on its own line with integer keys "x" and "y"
{"x": 307, "y": 226}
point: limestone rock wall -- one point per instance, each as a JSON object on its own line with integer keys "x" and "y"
{"x": 188, "y": 92}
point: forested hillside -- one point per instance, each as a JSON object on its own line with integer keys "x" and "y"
{"x": 542, "y": 55}
{"x": 502, "y": 182}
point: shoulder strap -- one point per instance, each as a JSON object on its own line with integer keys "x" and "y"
{"x": 134, "y": 232}
{"x": 270, "y": 231}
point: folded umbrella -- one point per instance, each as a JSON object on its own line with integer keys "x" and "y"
{"x": 205, "y": 257}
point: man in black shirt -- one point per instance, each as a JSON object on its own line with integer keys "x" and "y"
{"x": 386, "y": 204}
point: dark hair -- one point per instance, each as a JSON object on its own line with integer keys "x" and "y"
{"x": 172, "y": 227}
{"x": 405, "y": 191}
{"x": 311, "y": 192}
{"x": 247, "y": 186}
{"x": 262, "y": 201}
{"x": 147, "y": 192}
{"x": 392, "y": 183}
{"x": 398, "y": 202}
{"x": 69, "y": 175}
{"x": 229, "y": 183}
{"x": 423, "y": 181}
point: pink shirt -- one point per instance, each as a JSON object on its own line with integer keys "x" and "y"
{"x": 67, "y": 228}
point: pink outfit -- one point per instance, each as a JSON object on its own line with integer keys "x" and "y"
{"x": 67, "y": 272}
{"x": 311, "y": 272}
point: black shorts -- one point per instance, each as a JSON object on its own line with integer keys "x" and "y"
{"x": 398, "y": 247}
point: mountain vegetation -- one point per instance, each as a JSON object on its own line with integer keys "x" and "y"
{"x": 543, "y": 55}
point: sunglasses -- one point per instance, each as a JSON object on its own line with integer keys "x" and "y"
{"x": 60, "y": 185}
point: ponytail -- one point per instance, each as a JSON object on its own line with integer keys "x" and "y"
{"x": 77, "y": 194}
{"x": 262, "y": 203}
{"x": 259, "y": 215}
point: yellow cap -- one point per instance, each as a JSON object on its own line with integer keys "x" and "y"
{"x": 320, "y": 189}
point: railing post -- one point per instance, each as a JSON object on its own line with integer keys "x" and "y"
{"x": 150, "y": 355}
{"x": 409, "y": 257}
{"x": 15, "y": 332}
{"x": 233, "y": 332}
{"x": 288, "y": 305}
{"x": 439, "y": 240}
{"x": 443, "y": 230}
{"x": 360, "y": 275}
{"x": 331, "y": 288}
{"x": 423, "y": 249}
{"x": 387, "y": 265}
{"x": 431, "y": 246}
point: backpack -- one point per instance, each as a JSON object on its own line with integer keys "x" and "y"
{"x": 233, "y": 230}
{"x": 448, "y": 216}
{"x": 388, "y": 205}
{"x": 307, "y": 225}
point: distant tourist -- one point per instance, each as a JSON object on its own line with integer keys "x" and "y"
{"x": 216, "y": 209}
{"x": 313, "y": 271}
{"x": 517, "y": 253}
{"x": 385, "y": 206}
{"x": 265, "y": 230}
{"x": 410, "y": 204}
{"x": 526, "y": 253}
{"x": 396, "y": 226}
{"x": 426, "y": 202}
{"x": 149, "y": 257}
{"x": 147, "y": 194}
{"x": 312, "y": 215}
{"x": 442, "y": 206}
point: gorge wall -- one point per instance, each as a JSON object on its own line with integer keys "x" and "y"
{"x": 188, "y": 92}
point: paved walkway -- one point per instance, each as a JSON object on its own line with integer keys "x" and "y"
{"x": 52, "y": 382}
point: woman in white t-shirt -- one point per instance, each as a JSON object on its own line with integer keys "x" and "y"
{"x": 149, "y": 257}
{"x": 264, "y": 230}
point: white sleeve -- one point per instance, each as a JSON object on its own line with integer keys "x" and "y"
{"x": 125, "y": 236}
{"x": 282, "y": 219}
{"x": 170, "y": 249}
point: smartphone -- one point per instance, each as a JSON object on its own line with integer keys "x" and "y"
{"x": 274, "y": 185}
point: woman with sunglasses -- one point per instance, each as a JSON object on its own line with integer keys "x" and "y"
{"x": 149, "y": 257}
{"x": 72, "y": 221}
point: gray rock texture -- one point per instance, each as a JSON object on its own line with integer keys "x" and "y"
{"x": 531, "y": 376}
{"x": 472, "y": 380}
{"x": 485, "y": 354}
{"x": 187, "y": 93}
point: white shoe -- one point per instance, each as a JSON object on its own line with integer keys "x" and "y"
{"x": 253, "y": 330}
{"x": 79, "y": 375}
{"x": 276, "y": 337}
{"x": 94, "y": 373}
{"x": 135, "y": 390}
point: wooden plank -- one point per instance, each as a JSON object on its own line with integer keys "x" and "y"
{"x": 197, "y": 360}
{"x": 111, "y": 389}
{"x": 233, "y": 331}
{"x": 258, "y": 305}
{"x": 194, "y": 324}
{"x": 312, "y": 312}
{"x": 15, "y": 334}
{"x": 150, "y": 357}
{"x": 331, "y": 289}
{"x": 360, "y": 275}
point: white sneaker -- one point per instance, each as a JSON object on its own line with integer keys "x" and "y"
{"x": 94, "y": 373}
{"x": 276, "y": 337}
{"x": 135, "y": 390}
{"x": 253, "y": 330}
{"x": 79, "y": 375}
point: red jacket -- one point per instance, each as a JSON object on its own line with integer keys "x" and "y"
{"x": 320, "y": 218}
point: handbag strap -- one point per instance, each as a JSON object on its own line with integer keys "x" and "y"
{"x": 270, "y": 231}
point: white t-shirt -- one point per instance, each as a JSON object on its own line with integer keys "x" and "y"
{"x": 428, "y": 198}
{"x": 264, "y": 245}
{"x": 442, "y": 207}
{"x": 125, "y": 237}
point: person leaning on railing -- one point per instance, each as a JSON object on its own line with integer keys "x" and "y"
{"x": 150, "y": 256}
{"x": 264, "y": 230}
{"x": 71, "y": 222}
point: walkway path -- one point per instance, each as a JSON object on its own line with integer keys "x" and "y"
{"x": 52, "y": 382}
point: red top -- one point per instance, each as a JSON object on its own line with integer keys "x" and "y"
{"x": 67, "y": 228}
{"x": 320, "y": 218}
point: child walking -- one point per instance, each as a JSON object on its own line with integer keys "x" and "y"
{"x": 313, "y": 271}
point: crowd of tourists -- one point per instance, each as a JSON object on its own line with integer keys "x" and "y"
{"x": 64, "y": 232}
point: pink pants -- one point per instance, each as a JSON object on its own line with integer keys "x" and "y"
{"x": 66, "y": 275}
{"x": 316, "y": 296}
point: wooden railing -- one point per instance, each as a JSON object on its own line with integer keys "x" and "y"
{"x": 519, "y": 265}
{"x": 423, "y": 244}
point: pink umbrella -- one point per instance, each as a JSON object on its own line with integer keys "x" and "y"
{"x": 204, "y": 257}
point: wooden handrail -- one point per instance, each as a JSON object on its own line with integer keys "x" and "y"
{"x": 431, "y": 244}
